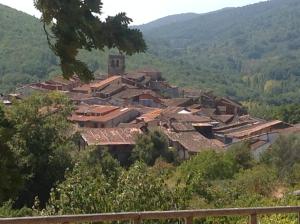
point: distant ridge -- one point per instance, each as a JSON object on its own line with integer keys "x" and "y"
{"x": 168, "y": 20}
{"x": 248, "y": 53}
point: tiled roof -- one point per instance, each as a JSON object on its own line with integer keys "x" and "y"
{"x": 176, "y": 102}
{"x": 150, "y": 116}
{"x": 104, "y": 118}
{"x": 207, "y": 111}
{"x": 195, "y": 106}
{"x": 233, "y": 126}
{"x": 113, "y": 88}
{"x": 139, "y": 125}
{"x": 253, "y": 129}
{"x": 188, "y": 118}
{"x": 193, "y": 141}
{"x": 172, "y": 110}
{"x": 110, "y": 136}
{"x": 223, "y": 118}
{"x": 85, "y": 88}
{"x": 105, "y": 82}
{"x": 95, "y": 109}
{"x": 78, "y": 96}
{"x": 143, "y": 109}
{"x": 182, "y": 126}
{"x": 130, "y": 93}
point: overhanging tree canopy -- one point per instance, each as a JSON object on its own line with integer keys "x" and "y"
{"x": 76, "y": 24}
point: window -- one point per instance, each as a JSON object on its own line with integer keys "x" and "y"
{"x": 112, "y": 63}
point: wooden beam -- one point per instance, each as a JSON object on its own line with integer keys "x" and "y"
{"x": 189, "y": 220}
{"x": 253, "y": 219}
{"x": 137, "y": 221}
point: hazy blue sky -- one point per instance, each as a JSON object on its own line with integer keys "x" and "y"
{"x": 142, "y": 11}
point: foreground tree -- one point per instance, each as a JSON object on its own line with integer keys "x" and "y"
{"x": 284, "y": 155}
{"x": 39, "y": 145}
{"x": 76, "y": 24}
{"x": 11, "y": 181}
{"x": 87, "y": 190}
{"x": 151, "y": 146}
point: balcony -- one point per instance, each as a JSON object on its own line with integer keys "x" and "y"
{"x": 138, "y": 217}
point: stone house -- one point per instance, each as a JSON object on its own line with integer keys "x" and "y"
{"x": 118, "y": 141}
{"x": 102, "y": 116}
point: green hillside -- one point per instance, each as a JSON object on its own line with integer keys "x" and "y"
{"x": 168, "y": 20}
{"x": 24, "y": 55}
{"x": 249, "y": 53}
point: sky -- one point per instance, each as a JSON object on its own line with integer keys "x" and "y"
{"x": 143, "y": 11}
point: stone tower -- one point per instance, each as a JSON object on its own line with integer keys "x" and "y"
{"x": 116, "y": 65}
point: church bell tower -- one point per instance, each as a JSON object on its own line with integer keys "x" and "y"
{"x": 116, "y": 65}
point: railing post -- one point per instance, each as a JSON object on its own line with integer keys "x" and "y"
{"x": 189, "y": 220}
{"x": 137, "y": 221}
{"x": 253, "y": 219}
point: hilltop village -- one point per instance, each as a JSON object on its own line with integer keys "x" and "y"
{"x": 115, "y": 108}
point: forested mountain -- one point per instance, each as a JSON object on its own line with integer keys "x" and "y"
{"x": 24, "y": 55}
{"x": 250, "y": 53}
{"x": 168, "y": 20}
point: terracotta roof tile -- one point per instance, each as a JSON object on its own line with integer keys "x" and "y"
{"x": 150, "y": 116}
{"x": 223, "y": 118}
{"x": 130, "y": 93}
{"x": 85, "y": 88}
{"x": 95, "y": 109}
{"x": 193, "y": 141}
{"x": 105, "y": 82}
{"x": 187, "y": 118}
{"x": 253, "y": 129}
{"x": 106, "y": 114}
{"x": 110, "y": 136}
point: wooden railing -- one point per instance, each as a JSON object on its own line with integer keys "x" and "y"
{"x": 138, "y": 217}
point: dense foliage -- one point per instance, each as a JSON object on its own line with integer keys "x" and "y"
{"x": 208, "y": 180}
{"x": 39, "y": 161}
{"x": 77, "y": 25}
{"x": 87, "y": 190}
{"x": 248, "y": 53}
{"x": 229, "y": 51}
{"x": 35, "y": 147}
{"x": 289, "y": 113}
{"x": 149, "y": 147}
